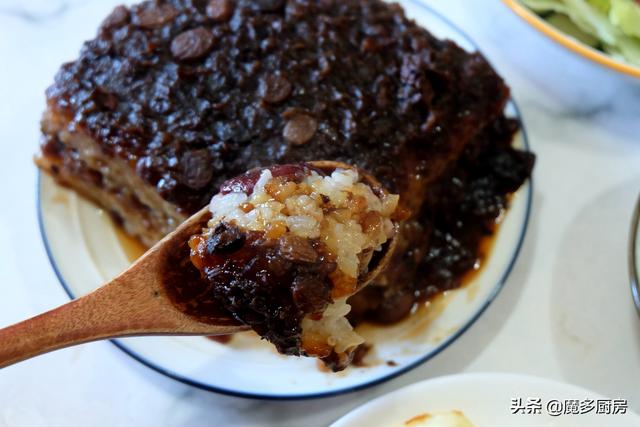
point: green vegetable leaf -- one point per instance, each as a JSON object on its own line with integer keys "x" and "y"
{"x": 626, "y": 15}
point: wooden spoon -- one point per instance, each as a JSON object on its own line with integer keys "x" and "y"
{"x": 137, "y": 301}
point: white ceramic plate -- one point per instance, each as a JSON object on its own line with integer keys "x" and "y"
{"x": 486, "y": 400}
{"x": 86, "y": 250}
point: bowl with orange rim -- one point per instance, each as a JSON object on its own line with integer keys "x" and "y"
{"x": 560, "y": 32}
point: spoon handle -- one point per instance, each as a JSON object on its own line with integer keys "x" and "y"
{"x": 126, "y": 306}
{"x": 112, "y": 310}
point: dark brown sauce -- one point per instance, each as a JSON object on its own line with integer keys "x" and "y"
{"x": 423, "y": 313}
{"x": 181, "y": 280}
{"x": 485, "y": 248}
{"x": 222, "y": 339}
{"x": 262, "y": 282}
{"x": 441, "y": 246}
{"x": 184, "y": 285}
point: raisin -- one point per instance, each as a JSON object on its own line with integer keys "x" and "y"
{"x": 275, "y": 89}
{"x": 195, "y": 167}
{"x": 297, "y": 249}
{"x": 118, "y": 17}
{"x": 225, "y": 239}
{"x": 192, "y": 44}
{"x": 220, "y": 10}
{"x": 300, "y": 128}
{"x": 310, "y": 294}
{"x": 150, "y": 15}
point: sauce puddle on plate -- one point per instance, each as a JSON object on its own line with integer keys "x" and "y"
{"x": 131, "y": 247}
{"x": 411, "y": 329}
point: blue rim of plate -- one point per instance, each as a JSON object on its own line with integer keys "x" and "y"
{"x": 494, "y": 293}
{"x": 634, "y": 257}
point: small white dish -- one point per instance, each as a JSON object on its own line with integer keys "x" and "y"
{"x": 486, "y": 400}
{"x": 86, "y": 250}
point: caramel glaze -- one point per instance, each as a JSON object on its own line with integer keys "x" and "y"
{"x": 444, "y": 241}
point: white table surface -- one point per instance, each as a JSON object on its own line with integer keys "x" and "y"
{"x": 565, "y": 313}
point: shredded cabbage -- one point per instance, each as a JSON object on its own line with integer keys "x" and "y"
{"x": 566, "y": 25}
{"x": 625, "y": 14}
{"x": 611, "y": 25}
{"x": 546, "y": 5}
{"x": 602, "y": 6}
